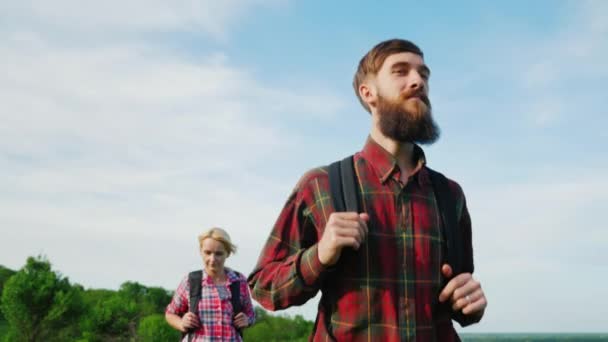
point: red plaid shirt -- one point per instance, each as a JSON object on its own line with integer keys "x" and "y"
{"x": 214, "y": 308}
{"x": 388, "y": 289}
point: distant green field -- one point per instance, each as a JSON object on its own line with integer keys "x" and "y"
{"x": 532, "y": 337}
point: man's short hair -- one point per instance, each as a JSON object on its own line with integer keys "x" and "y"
{"x": 373, "y": 60}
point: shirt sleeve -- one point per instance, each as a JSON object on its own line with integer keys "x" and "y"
{"x": 288, "y": 271}
{"x": 246, "y": 300}
{"x": 179, "y": 302}
{"x": 464, "y": 224}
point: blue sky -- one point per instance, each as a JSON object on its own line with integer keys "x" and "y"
{"x": 126, "y": 128}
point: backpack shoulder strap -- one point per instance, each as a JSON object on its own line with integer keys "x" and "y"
{"x": 446, "y": 204}
{"x": 344, "y": 186}
{"x": 235, "y": 299}
{"x": 194, "y": 280}
{"x": 194, "y": 296}
{"x": 235, "y": 291}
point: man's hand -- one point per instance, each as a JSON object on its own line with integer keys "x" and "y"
{"x": 189, "y": 321}
{"x": 464, "y": 292}
{"x": 342, "y": 230}
{"x": 241, "y": 321}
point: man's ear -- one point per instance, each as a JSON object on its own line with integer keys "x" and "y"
{"x": 368, "y": 93}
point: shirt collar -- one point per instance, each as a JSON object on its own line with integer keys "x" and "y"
{"x": 385, "y": 163}
{"x": 230, "y": 275}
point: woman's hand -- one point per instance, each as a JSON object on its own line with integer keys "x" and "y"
{"x": 189, "y": 321}
{"x": 241, "y": 321}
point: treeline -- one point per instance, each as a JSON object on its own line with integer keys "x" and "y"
{"x": 37, "y": 303}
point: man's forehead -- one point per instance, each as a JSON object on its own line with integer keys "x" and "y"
{"x": 403, "y": 57}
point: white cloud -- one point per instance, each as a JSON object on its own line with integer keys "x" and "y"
{"x": 133, "y": 16}
{"x": 535, "y": 243}
{"x": 540, "y": 75}
{"x": 116, "y": 155}
{"x": 566, "y": 64}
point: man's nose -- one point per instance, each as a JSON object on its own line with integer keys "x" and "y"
{"x": 416, "y": 81}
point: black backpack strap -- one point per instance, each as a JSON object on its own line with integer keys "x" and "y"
{"x": 344, "y": 186}
{"x": 235, "y": 291}
{"x": 446, "y": 204}
{"x": 194, "y": 280}
{"x": 235, "y": 299}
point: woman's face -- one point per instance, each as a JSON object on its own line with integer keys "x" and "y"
{"x": 214, "y": 255}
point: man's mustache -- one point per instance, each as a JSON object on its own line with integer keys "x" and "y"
{"x": 416, "y": 93}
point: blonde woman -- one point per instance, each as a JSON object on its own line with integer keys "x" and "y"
{"x": 222, "y": 290}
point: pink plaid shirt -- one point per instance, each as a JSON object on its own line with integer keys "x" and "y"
{"x": 214, "y": 308}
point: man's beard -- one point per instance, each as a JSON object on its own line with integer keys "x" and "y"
{"x": 407, "y": 119}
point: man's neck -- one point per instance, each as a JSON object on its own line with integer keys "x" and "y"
{"x": 402, "y": 151}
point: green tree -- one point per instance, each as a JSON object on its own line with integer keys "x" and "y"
{"x": 5, "y": 274}
{"x": 112, "y": 316}
{"x": 39, "y": 304}
{"x": 150, "y": 300}
{"x": 115, "y": 315}
{"x": 156, "y": 300}
{"x": 154, "y": 328}
{"x": 278, "y": 328}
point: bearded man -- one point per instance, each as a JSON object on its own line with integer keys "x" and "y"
{"x": 382, "y": 272}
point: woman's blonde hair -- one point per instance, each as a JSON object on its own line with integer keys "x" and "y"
{"x": 220, "y": 235}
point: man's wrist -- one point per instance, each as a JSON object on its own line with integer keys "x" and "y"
{"x": 310, "y": 265}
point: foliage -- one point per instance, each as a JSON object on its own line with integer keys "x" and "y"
{"x": 5, "y": 274}
{"x": 113, "y": 316}
{"x": 39, "y": 304}
{"x": 154, "y": 328}
{"x": 116, "y": 314}
{"x": 278, "y": 328}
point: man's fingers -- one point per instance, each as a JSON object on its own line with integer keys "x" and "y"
{"x": 348, "y": 241}
{"x": 467, "y": 299}
{"x": 348, "y": 222}
{"x": 343, "y": 229}
{"x": 452, "y": 285}
{"x": 467, "y": 288}
{"x": 346, "y": 215}
{"x": 364, "y": 217}
{"x": 446, "y": 270}
{"x": 476, "y": 305}
{"x": 350, "y": 228}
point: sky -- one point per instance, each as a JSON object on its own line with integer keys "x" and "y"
{"x": 129, "y": 127}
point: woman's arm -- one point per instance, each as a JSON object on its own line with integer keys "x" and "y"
{"x": 175, "y": 321}
{"x": 184, "y": 323}
{"x": 246, "y": 302}
{"x": 177, "y": 313}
